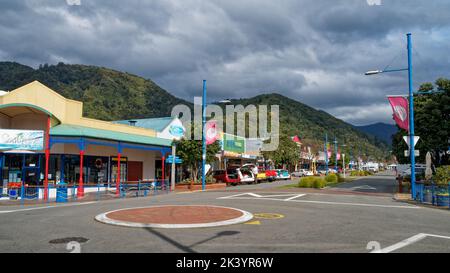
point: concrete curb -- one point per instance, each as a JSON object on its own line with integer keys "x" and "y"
{"x": 246, "y": 216}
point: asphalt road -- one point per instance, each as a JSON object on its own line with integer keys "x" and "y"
{"x": 311, "y": 222}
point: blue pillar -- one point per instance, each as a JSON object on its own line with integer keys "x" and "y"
{"x": 411, "y": 119}
{"x": 204, "y": 136}
{"x": 326, "y": 153}
{"x": 62, "y": 169}
{"x": 336, "y": 151}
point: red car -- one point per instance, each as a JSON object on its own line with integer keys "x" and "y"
{"x": 229, "y": 176}
{"x": 271, "y": 175}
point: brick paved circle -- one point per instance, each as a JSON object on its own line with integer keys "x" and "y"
{"x": 175, "y": 217}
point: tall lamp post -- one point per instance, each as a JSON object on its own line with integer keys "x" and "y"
{"x": 411, "y": 112}
{"x": 204, "y": 137}
{"x": 336, "y": 154}
{"x": 326, "y": 153}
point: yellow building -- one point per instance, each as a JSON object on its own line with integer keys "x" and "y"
{"x": 45, "y": 140}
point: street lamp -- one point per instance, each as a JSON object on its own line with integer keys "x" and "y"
{"x": 343, "y": 158}
{"x": 411, "y": 111}
{"x": 204, "y": 136}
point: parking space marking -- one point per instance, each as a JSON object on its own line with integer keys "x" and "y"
{"x": 409, "y": 241}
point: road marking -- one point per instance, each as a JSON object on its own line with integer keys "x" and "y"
{"x": 409, "y": 241}
{"x": 253, "y": 223}
{"x": 365, "y": 187}
{"x": 241, "y": 194}
{"x": 291, "y": 196}
{"x": 324, "y": 202}
{"x": 47, "y": 207}
{"x": 295, "y": 197}
{"x": 268, "y": 216}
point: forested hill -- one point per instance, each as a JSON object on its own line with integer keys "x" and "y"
{"x": 106, "y": 94}
{"x": 311, "y": 125}
{"x": 112, "y": 95}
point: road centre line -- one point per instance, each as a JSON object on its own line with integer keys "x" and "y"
{"x": 47, "y": 207}
{"x": 328, "y": 203}
{"x": 409, "y": 241}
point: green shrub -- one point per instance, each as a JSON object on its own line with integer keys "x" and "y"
{"x": 319, "y": 183}
{"x": 442, "y": 176}
{"x": 332, "y": 178}
{"x": 312, "y": 182}
{"x": 340, "y": 178}
{"x": 306, "y": 182}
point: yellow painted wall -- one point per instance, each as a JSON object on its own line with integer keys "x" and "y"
{"x": 64, "y": 110}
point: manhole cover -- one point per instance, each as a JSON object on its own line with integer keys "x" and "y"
{"x": 68, "y": 240}
{"x": 268, "y": 216}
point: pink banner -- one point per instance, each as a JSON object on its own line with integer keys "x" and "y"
{"x": 211, "y": 132}
{"x": 401, "y": 113}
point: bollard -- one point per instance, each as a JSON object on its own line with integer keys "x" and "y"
{"x": 400, "y": 184}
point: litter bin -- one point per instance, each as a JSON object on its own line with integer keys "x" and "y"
{"x": 13, "y": 193}
{"x": 61, "y": 193}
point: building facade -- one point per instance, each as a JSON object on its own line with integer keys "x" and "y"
{"x": 45, "y": 141}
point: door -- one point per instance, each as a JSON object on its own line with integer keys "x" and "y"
{"x": 135, "y": 171}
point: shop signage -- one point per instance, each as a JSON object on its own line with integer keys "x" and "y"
{"x": 233, "y": 144}
{"x": 176, "y": 131}
{"x": 21, "y": 140}
{"x": 169, "y": 160}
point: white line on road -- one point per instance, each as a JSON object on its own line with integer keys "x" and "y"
{"x": 294, "y": 197}
{"x": 325, "y": 202}
{"x": 47, "y": 207}
{"x": 409, "y": 241}
{"x": 241, "y": 194}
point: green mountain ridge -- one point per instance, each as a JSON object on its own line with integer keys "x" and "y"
{"x": 107, "y": 94}
{"x": 113, "y": 95}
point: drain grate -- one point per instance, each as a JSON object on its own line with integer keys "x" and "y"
{"x": 68, "y": 240}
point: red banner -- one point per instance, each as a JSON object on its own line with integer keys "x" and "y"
{"x": 401, "y": 113}
{"x": 211, "y": 132}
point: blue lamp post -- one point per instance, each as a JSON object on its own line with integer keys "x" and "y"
{"x": 336, "y": 153}
{"x": 326, "y": 153}
{"x": 204, "y": 137}
{"x": 411, "y": 112}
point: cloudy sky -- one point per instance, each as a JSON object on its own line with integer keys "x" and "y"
{"x": 315, "y": 51}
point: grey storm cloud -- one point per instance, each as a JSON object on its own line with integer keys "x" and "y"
{"x": 313, "y": 51}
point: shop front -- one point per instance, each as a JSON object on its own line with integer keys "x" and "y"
{"x": 45, "y": 142}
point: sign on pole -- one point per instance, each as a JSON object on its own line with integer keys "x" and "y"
{"x": 416, "y": 153}
{"x": 416, "y": 139}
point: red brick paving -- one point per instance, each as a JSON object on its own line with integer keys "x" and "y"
{"x": 175, "y": 215}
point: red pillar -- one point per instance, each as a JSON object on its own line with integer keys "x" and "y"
{"x": 163, "y": 163}
{"x": 80, "y": 192}
{"x": 118, "y": 175}
{"x": 47, "y": 157}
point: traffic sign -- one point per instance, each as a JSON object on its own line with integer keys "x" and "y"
{"x": 416, "y": 139}
{"x": 416, "y": 153}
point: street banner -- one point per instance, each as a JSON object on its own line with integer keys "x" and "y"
{"x": 400, "y": 109}
{"x": 211, "y": 132}
{"x": 21, "y": 140}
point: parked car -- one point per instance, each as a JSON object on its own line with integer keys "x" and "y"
{"x": 302, "y": 172}
{"x": 323, "y": 171}
{"x": 246, "y": 175}
{"x": 271, "y": 175}
{"x": 229, "y": 176}
{"x": 283, "y": 175}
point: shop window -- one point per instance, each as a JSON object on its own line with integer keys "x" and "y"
{"x": 123, "y": 169}
{"x": 97, "y": 169}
